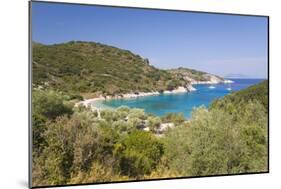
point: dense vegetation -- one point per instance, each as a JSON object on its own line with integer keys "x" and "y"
{"x": 91, "y": 69}
{"x": 257, "y": 93}
{"x": 192, "y": 75}
{"x": 75, "y": 145}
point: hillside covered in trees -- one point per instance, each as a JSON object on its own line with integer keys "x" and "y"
{"x": 74, "y": 145}
{"x": 255, "y": 93}
{"x": 92, "y": 69}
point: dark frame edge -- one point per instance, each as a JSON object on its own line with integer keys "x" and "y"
{"x": 268, "y": 84}
{"x": 29, "y": 95}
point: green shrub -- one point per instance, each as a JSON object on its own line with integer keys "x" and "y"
{"x": 176, "y": 118}
{"x": 38, "y": 130}
{"x": 138, "y": 153}
{"x": 46, "y": 105}
{"x": 216, "y": 143}
{"x": 49, "y": 104}
{"x": 97, "y": 173}
{"x": 72, "y": 144}
{"x": 154, "y": 123}
{"x": 76, "y": 146}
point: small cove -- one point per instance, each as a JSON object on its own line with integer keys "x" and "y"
{"x": 180, "y": 102}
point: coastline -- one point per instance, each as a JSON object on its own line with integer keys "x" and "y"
{"x": 181, "y": 89}
{"x": 211, "y": 82}
{"x": 91, "y": 101}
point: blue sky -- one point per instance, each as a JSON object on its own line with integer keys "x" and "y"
{"x": 215, "y": 43}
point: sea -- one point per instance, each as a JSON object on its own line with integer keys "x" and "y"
{"x": 182, "y": 102}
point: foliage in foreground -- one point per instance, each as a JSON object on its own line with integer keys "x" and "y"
{"x": 215, "y": 143}
{"x": 74, "y": 145}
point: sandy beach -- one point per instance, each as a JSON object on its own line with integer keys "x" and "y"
{"x": 181, "y": 89}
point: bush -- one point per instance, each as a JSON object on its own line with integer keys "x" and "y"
{"x": 38, "y": 130}
{"x": 176, "y": 118}
{"x": 137, "y": 113}
{"x": 76, "y": 96}
{"x": 138, "y": 153}
{"x": 216, "y": 143}
{"x": 110, "y": 115}
{"x": 97, "y": 173}
{"x": 72, "y": 144}
{"x": 50, "y": 104}
{"x": 162, "y": 171}
{"x": 46, "y": 106}
{"x": 154, "y": 123}
{"x": 230, "y": 137}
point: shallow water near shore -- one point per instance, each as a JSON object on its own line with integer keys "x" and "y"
{"x": 180, "y": 102}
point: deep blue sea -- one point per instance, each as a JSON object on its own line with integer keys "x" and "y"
{"x": 182, "y": 102}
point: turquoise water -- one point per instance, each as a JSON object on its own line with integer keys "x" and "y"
{"x": 181, "y": 102}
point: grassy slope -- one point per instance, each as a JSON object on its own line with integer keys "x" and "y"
{"x": 191, "y": 73}
{"x": 258, "y": 92}
{"x": 90, "y": 68}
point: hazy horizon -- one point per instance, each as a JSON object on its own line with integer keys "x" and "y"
{"x": 215, "y": 43}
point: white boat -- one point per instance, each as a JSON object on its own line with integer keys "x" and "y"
{"x": 228, "y": 88}
{"x": 211, "y": 87}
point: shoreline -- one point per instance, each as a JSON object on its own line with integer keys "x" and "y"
{"x": 180, "y": 89}
{"x": 226, "y": 81}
